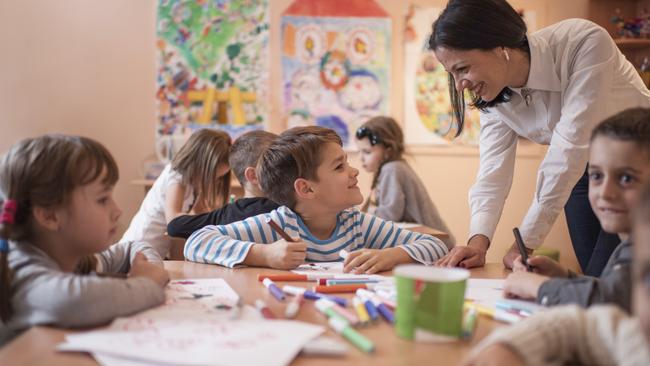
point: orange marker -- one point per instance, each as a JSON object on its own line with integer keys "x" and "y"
{"x": 284, "y": 277}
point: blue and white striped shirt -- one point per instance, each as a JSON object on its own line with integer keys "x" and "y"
{"x": 228, "y": 245}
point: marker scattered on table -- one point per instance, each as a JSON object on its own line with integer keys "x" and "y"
{"x": 294, "y": 306}
{"x": 273, "y": 289}
{"x": 357, "y": 339}
{"x": 310, "y": 295}
{"x": 266, "y": 312}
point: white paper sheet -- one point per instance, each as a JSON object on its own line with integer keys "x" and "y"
{"x": 333, "y": 268}
{"x": 201, "y": 323}
{"x": 487, "y": 291}
{"x": 194, "y": 342}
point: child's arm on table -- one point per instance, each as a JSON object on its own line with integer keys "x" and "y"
{"x": 385, "y": 245}
{"x": 249, "y": 242}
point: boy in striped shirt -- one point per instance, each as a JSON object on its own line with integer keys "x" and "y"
{"x": 306, "y": 171}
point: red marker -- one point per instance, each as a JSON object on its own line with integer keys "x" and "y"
{"x": 266, "y": 312}
{"x": 333, "y": 289}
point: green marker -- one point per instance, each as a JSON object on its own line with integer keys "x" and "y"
{"x": 326, "y": 307}
{"x": 341, "y": 326}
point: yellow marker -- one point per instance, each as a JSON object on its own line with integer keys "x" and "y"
{"x": 360, "y": 308}
{"x": 481, "y": 309}
{"x": 496, "y": 314}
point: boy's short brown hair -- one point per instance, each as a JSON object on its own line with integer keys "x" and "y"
{"x": 296, "y": 153}
{"x": 246, "y": 151}
{"x": 631, "y": 125}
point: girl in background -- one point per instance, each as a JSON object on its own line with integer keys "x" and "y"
{"x": 196, "y": 181}
{"x": 57, "y": 221}
{"x": 397, "y": 192}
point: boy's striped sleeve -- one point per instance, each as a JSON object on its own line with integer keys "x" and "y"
{"x": 228, "y": 245}
{"x": 380, "y": 234}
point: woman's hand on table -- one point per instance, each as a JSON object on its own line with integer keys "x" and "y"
{"x": 469, "y": 256}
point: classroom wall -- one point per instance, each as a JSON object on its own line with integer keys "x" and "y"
{"x": 88, "y": 67}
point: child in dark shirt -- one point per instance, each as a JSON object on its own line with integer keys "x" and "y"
{"x": 244, "y": 153}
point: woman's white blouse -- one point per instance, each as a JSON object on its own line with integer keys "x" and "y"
{"x": 578, "y": 77}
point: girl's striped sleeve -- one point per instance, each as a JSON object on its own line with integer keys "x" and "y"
{"x": 380, "y": 234}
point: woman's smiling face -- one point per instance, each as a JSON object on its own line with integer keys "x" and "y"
{"x": 481, "y": 72}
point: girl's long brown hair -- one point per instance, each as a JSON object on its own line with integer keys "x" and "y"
{"x": 43, "y": 172}
{"x": 197, "y": 162}
{"x": 388, "y": 133}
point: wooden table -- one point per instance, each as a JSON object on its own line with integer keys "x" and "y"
{"x": 427, "y": 230}
{"x": 37, "y": 346}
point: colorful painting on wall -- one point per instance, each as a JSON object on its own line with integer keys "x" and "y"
{"x": 336, "y": 58}
{"x": 213, "y": 58}
{"x": 427, "y": 106}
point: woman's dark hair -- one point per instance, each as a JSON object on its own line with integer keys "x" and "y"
{"x": 477, "y": 24}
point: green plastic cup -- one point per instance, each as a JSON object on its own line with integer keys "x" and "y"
{"x": 429, "y": 302}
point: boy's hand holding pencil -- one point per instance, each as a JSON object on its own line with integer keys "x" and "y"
{"x": 541, "y": 265}
{"x": 286, "y": 253}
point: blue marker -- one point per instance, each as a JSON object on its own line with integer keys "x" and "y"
{"x": 381, "y": 307}
{"x": 370, "y": 307}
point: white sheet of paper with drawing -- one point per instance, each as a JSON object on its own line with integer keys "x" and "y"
{"x": 200, "y": 342}
{"x": 331, "y": 268}
{"x": 487, "y": 291}
{"x": 196, "y": 297}
{"x": 246, "y": 312}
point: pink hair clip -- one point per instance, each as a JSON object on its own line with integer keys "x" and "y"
{"x": 8, "y": 215}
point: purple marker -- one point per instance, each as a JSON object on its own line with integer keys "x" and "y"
{"x": 311, "y": 295}
{"x": 273, "y": 289}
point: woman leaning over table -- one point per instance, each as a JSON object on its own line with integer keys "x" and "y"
{"x": 552, "y": 87}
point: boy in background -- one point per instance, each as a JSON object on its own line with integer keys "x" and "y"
{"x": 244, "y": 154}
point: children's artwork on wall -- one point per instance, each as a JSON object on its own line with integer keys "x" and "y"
{"x": 427, "y": 106}
{"x": 213, "y": 59}
{"x": 336, "y": 58}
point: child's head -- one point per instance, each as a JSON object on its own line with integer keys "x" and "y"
{"x": 244, "y": 154}
{"x": 59, "y": 187}
{"x": 203, "y": 164}
{"x": 380, "y": 140}
{"x": 619, "y": 165}
{"x": 307, "y": 165}
{"x": 641, "y": 264}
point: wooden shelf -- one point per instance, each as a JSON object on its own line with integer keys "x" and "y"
{"x": 632, "y": 43}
